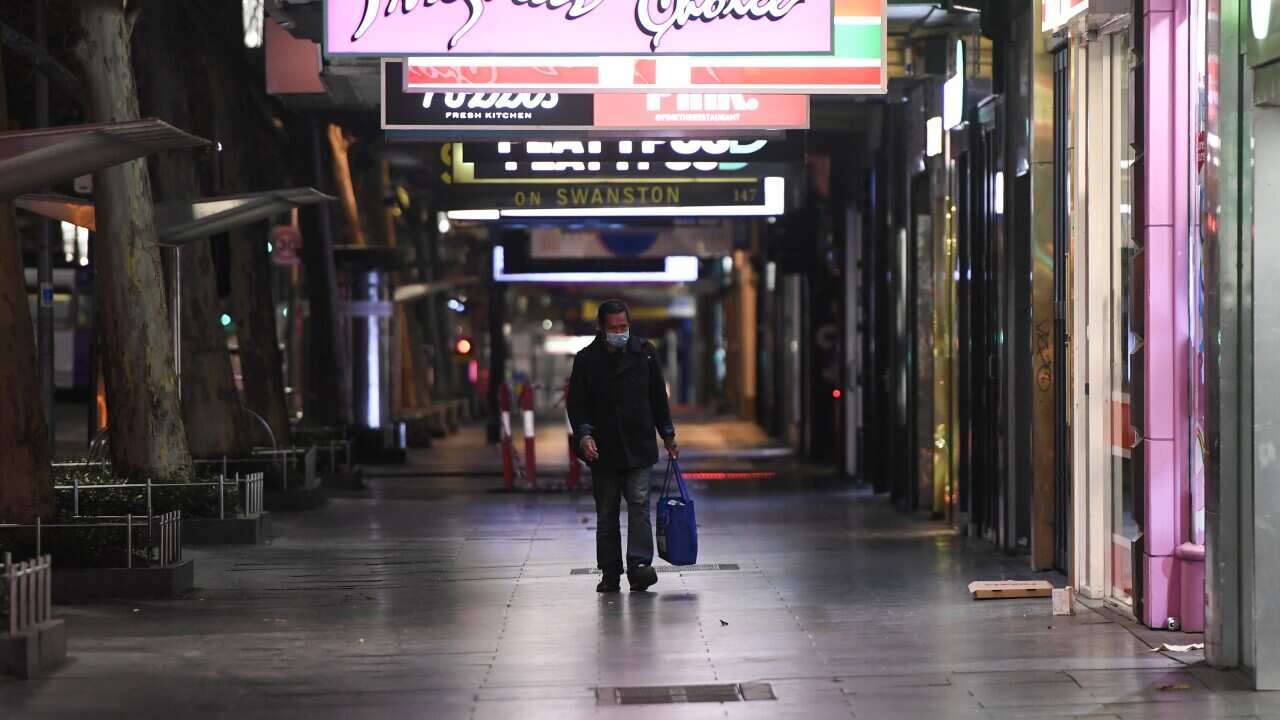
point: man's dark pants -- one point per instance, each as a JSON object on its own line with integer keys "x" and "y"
{"x": 610, "y": 488}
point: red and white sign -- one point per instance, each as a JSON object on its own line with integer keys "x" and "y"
{"x": 436, "y": 112}
{"x": 700, "y": 110}
{"x": 728, "y": 74}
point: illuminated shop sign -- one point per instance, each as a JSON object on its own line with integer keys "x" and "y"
{"x": 404, "y": 110}
{"x": 953, "y": 93}
{"x": 546, "y": 161}
{"x": 580, "y": 195}
{"x": 677, "y": 268}
{"x": 577, "y": 27}
{"x": 1055, "y": 13}
{"x": 744, "y": 197}
{"x": 654, "y": 150}
{"x": 855, "y": 65}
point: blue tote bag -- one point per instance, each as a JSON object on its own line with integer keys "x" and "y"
{"x": 677, "y": 527}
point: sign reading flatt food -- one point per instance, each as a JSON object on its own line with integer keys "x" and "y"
{"x": 577, "y": 27}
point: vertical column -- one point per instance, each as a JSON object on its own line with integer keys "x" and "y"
{"x": 1261, "y": 516}
{"x": 44, "y": 267}
{"x": 1229, "y": 417}
{"x": 1165, "y": 199}
{"x": 745, "y": 323}
{"x": 1040, "y": 342}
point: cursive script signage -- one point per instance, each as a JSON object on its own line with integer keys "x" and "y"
{"x": 855, "y": 65}
{"x": 576, "y": 27}
{"x": 443, "y": 111}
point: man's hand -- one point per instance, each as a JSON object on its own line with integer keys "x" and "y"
{"x": 589, "y": 449}
{"x": 672, "y": 448}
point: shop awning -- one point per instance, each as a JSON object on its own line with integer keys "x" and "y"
{"x": 416, "y": 291}
{"x": 183, "y": 223}
{"x": 188, "y": 222}
{"x": 34, "y": 159}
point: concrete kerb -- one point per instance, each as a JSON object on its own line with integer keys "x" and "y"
{"x": 169, "y": 577}
{"x": 34, "y": 651}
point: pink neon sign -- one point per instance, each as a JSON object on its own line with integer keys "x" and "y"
{"x": 577, "y": 27}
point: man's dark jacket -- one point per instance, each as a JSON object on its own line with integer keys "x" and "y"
{"x": 619, "y": 399}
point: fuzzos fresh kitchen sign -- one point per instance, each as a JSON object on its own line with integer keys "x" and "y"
{"x": 403, "y": 110}
{"x": 576, "y": 27}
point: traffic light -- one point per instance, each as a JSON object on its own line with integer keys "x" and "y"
{"x": 463, "y": 346}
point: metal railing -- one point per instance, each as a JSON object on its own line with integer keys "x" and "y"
{"x": 30, "y": 586}
{"x": 166, "y": 527}
{"x": 332, "y": 449}
{"x": 251, "y": 496}
{"x": 76, "y": 488}
{"x": 169, "y": 550}
{"x": 287, "y": 457}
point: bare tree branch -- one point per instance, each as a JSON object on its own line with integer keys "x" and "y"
{"x": 60, "y": 76}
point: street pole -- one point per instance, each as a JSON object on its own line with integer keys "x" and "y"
{"x": 44, "y": 272}
{"x": 497, "y": 354}
{"x": 175, "y": 311}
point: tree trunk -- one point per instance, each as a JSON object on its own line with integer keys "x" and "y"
{"x": 446, "y": 382}
{"x": 26, "y": 491}
{"x": 210, "y": 402}
{"x": 249, "y": 162}
{"x": 147, "y": 434}
{"x": 328, "y": 377}
{"x": 340, "y": 151}
{"x": 254, "y": 310}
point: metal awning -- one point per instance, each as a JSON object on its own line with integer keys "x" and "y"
{"x": 34, "y": 159}
{"x": 180, "y": 224}
{"x": 183, "y": 223}
{"x": 415, "y": 291}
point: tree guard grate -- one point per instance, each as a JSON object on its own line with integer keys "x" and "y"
{"x": 673, "y": 694}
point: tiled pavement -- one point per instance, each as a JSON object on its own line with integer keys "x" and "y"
{"x": 429, "y": 597}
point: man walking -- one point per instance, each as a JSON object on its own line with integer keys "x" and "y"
{"x": 617, "y": 399}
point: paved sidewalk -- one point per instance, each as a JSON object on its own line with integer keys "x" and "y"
{"x": 433, "y": 598}
{"x": 718, "y": 440}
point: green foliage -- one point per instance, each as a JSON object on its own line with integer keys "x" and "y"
{"x": 80, "y": 547}
{"x": 109, "y": 546}
{"x": 196, "y": 501}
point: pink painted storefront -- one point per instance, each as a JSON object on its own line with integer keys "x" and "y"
{"x": 1171, "y": 172}
{"x": 1131, "y": 102}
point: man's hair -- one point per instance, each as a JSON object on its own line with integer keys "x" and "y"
{"x": 611, "y": 307}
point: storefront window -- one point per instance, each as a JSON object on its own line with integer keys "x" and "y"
{"x": 1125, "y": 337}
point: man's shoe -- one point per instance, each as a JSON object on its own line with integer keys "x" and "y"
{"x": 642, "y": 578}
{"x": 610, "y": 584}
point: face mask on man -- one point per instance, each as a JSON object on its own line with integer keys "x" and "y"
{"x": 617, "y": 340}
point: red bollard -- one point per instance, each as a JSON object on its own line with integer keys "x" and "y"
{"x": 575, "y": 470}
{"x": 530, "y": 438}
{"x": 508, "y": 465}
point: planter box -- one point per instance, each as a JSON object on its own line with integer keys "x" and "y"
{"x": 350, "y": 480}
{"x": 418, "y": 433}
{"x": 293, "y": 500}
{"x": 35, "y": 651}
{"x": 229, "y": 531}
{"x": 78, "y": 585}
